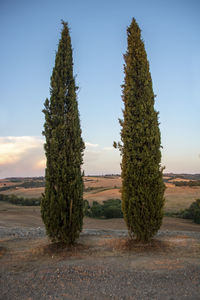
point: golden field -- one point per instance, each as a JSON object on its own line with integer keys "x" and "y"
{"x": 101, "y": 188}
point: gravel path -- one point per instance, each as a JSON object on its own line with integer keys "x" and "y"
{"x": 36, "y": 232}
{"x": 94, "y": 280}
{"x": 101, "y": 266}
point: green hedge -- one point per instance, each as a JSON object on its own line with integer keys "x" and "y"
{"x": 13, "y": 199}
{"x": 109, "y": 209}
{"x": 193, "y": 212}
{"x": 187, "y": 183}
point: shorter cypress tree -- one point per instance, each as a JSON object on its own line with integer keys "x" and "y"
{"x": 142, "y": 184}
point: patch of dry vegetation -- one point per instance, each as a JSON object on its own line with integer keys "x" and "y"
{"x": 25, "y": 192}
{"x": 177, "y": 198}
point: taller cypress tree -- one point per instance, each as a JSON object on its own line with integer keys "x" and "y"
{"x": 142, "y": 184}
{"x": 62, "y": 202}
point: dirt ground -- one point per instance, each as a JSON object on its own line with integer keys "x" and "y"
{"x": 25, "y": 216}
{"x": 104, "y": 263}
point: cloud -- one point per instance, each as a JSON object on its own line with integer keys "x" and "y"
{"x": 90, "y": 145}
{"x": 41, "y": 164}
{"x": 24, "y": 156}
{"x": 101, "y": 160}
{"x": 108, "y": 148}
{"x": 21, "y": 156}
{"x": 12, "y": 148}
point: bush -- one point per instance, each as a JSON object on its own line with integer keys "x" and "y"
{"x": 112, "y": 208}
{"x": 13, "y": 199}
{"x": 113, "y": 212}
{"x": 193, "y": 212}
{"x": 96, "y": 210}
{"x": 86, "y": 208}
{"x": 187, "y": 183}
{"x": 109, "y": 209}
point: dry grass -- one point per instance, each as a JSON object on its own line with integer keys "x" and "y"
{"x": 111, "y": 182}
{"x": 180, "y": 179}
{"x": 177, "y": 198}
{"x": 6, "y": 183}
{"x": 169, "y": 185}
{"x": 56, "y": 249}
{"x": 103, "y": 195}
{"x": 2, "y": 251}
{"x": 127, "y": 244}
{"x": 27, "y": 193}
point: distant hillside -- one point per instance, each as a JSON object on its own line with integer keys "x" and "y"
{"x": 14, "y": 183}
{"x": 21, "y": 182}
{"x": 182, "y": 176}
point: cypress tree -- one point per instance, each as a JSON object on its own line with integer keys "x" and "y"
{"x": 142, "y": 184}
{"x": 62, "y": 202}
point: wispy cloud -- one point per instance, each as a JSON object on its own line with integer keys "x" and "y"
{"x": 41, "y": 164}
{"x": 21, "y": 156}
{"x": 101, "y": 160}
{"x": 13, "y": 148}
{"x": 108, "y": 148}
{"x": 90, "y": 145}
{"x": 24, "y": 156}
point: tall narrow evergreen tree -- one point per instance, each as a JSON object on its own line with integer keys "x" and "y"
{"x": 142, "y": 184}
{"x": 62, "y": 202}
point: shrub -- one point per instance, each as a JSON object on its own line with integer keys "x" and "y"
{"x": 112, "y": 208}
{"x": 187, "y": 183}
{"x": 109, "y": 209}
{"x": 96, "y": 210}
{"x": 193, "y": 212}
{"x": 112, "y": 212}
{"x": 13, "y": 199}
{"x": 86, "y": 208}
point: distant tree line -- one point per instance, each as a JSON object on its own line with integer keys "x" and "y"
{"x": 26, "y": 185}
{"x": 183, "y": 176}
{"x": 92, "y": 188}
{"x": 22, "y": 179}
{"x": 187, "y": 183}
{"x": 13, "y": 199}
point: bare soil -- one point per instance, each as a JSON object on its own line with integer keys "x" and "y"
{"x": 103, "y": 264}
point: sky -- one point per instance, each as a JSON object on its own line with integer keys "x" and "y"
{"x": 30, "y": 33}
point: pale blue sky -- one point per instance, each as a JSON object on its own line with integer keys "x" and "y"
{"x": 30, "y": 32}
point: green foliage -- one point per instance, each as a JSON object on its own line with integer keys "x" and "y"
{"x": 96, "y": 210}
{"x": 86, "y": 208}
{"x": 187, "y": 183}
{"x": 13, "y": 199}
{"x": 93, "y": 188}
{"x": 6, "y": 188}
{"x": 174, "y": 214}
{"x": 62, "y": 202}
{"x": 109, "y": 209}
{"x": 183, "y": 176}
{"x": 193, "y": 212}
{"x": 142, "y": 184}
{"x": 26, "y": 185}
{"x": 112, "y": 209}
